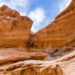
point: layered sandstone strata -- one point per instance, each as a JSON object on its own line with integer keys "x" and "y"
{"x": 14, "y": 29}
{"x": 58, "y": 33}
{"x": 14, "y": 55}
{"x": 15, "y": 32}
{"x": 15, "y": 35}
{"x": 61, "y": 66}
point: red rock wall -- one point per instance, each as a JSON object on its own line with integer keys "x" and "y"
{"x": 4, "y": 10}
{"x": 14, "y": 29}
{"x": 58, "y": 33}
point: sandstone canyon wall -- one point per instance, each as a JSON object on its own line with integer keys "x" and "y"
{"x": 58, "y": 33}
{"x": 14, "y": 29}
{"x": 15, "y": 32}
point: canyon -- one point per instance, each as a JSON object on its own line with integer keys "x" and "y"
{"x": 50, "y": 51}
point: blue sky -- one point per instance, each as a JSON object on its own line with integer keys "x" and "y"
{"x": 42, "y": 12}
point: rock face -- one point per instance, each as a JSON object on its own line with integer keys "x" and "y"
{"x": 14, "y": 29}
{"x": 16, "y": 39}
{"x": 60, "y": 32}
{"x": 62, "y": 66}
{"x": 12, "y": 55}
{"x": 4, "y": 10}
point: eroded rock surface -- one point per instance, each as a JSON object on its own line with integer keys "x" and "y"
{"x": 61, "y": 66}
{"x": 14, "y": 29}
{"x": 15, "y": 32}
{"x": 12, "y": 55}
{"x": 60, "y": 32}
{"x": 19, "y": 57}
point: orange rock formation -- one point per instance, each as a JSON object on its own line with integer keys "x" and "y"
{"x": 62, "y": 66}
{"x": 60, "y": 32}
{"x": 14, "y": 29}
{"x": 15, "y": 44}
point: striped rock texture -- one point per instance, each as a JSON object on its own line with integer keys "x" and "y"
{"x": 59, "y": 32}
{"x": 14, "y": 28}
{"x": 18, "y": 57}
{"x": 61, "y": 66}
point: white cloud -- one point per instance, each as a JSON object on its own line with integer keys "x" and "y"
{"x": 20, "y": 3}
{"x": 63, "y": 4}
{"x": 38, "y": 16}
{"x": 23, "y": 13}
{"x": 14, "y": 4}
